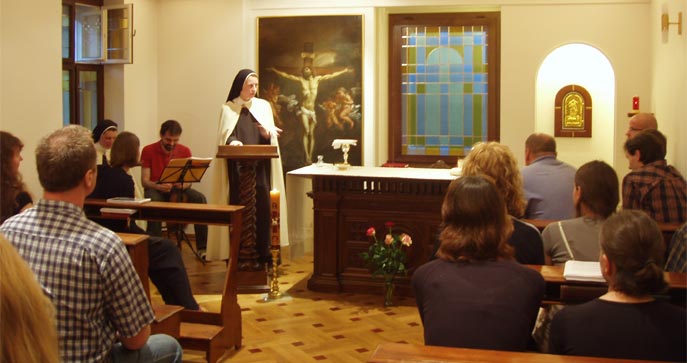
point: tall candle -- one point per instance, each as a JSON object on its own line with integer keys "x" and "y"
{"x": 274, "y": 207}
{"x": 635, "y": 103}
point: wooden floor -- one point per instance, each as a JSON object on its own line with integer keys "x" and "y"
{"x": 304, "y": 326}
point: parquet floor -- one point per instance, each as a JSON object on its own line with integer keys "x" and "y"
{"x": 305, "y": 326}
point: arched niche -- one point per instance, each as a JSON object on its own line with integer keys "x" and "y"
{"x": 586, "y": 66}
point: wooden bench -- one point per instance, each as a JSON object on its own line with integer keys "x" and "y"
{"x": 167, "y": 317}
{"x": 668, "y": 229}
{"x": 560, "y": 290}
{"x": 409, "y": 353}
{"x": 211, "y": 332}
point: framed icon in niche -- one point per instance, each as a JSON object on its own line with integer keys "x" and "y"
{"x": 573, "y": 112}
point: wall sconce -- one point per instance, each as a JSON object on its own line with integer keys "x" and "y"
{"x": 665, "y": 23}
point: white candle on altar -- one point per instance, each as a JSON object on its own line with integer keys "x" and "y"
{"x": 274, "y": 208}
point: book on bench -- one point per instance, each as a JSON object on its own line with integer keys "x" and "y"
{"x": 118, "y": 211}
{"x": 583, "y": 271}
{"x": 128, "y": 200}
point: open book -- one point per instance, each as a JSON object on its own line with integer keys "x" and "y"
{"x": 583, "y": 271}
{"x": 128, "y": 200}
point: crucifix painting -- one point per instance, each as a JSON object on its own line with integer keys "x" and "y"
{"x": 310, "y": 71}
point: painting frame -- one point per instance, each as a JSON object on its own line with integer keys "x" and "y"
{"x": 311, "y": 71}
{"x": 576, "y": 123}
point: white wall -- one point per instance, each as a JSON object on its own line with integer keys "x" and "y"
{"x": 530, "y": 33}
{"x": 200, "y": 47}
{"x": 30, "y": 76}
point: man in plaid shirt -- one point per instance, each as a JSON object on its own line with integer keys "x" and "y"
{"x": 103, "y": 314}
{"x": 653, "y": 186}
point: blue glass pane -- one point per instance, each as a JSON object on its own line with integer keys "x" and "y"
{"x": 423, "y": 103}
{"x": 457, "y": 77}
{"x": 456, "y": 141}
{"x": 467, "y": 128}
{"x": 467, "y": 55}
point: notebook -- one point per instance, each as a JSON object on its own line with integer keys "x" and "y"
{"x": 127, "y": 200}
{"x": 583, "y": 271}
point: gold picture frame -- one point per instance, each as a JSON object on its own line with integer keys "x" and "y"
{"x": 573, "y": 112}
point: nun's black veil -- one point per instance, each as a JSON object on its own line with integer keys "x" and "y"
{"x": 101, "y": 127}
{"x": 237, "y": 85}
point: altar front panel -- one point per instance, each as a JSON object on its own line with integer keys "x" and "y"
{"x": 347, "y": 203}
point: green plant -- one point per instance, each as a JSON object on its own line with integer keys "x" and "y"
{"x": 386, "y": 257}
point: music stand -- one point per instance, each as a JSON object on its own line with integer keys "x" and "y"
{"x": 184, "y": 170}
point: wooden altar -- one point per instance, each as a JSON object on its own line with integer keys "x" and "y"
{"x": 347, "y": 202}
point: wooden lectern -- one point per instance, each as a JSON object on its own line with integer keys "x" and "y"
{"x": 252, "y": 276}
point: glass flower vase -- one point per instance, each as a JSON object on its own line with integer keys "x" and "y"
{"x": 389, "y": 290}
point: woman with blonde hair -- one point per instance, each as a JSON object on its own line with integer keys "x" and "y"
{"x": 27, "y": 321}
{"x": 474, "y": 295}
{"x": 497, "y": 162}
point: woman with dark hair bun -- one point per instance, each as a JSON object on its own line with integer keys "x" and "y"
{"x": 626, "y": 322}
{"x": 475, "y": 295}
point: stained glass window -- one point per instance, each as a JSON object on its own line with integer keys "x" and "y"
{"x": 444, "y": 96}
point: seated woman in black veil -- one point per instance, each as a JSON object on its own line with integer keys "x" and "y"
{"x": 166, "y": 267}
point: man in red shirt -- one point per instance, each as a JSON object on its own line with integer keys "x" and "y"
{"x": 154, "y": 158}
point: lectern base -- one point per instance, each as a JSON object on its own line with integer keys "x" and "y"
{"x": 252, "y": 282}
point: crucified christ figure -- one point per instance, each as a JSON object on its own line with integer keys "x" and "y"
{"x": 309, "y": 85}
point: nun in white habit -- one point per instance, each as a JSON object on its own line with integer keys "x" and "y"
{"x": 246, "y": 119}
